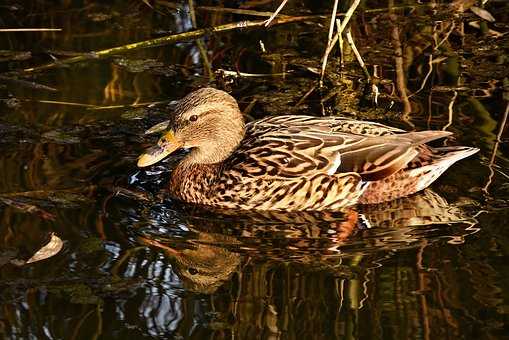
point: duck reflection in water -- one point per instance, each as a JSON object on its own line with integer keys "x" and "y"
{"x": 216, "y": 246}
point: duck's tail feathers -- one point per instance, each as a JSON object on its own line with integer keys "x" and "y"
{"x": 454, "y": 153}
{"x": 422, "y": 137}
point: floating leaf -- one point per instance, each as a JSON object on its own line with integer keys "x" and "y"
{"x": 50, "y": 249}
{"x": 482, "y": 13}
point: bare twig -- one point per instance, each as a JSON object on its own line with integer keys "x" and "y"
{"x": 341, "y": 28}
{"x": 329, "y": 40}
{"x": 341, "y": 48}
{"x": 269, "y": 21}
{"x": 349, "y": 38}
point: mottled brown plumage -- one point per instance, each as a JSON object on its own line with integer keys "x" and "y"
{"x": 293, "y": 162}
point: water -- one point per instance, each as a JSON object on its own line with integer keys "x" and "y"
{"x": 137, "y": 264}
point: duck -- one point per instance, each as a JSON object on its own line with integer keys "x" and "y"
{"x": 292, "y": 162}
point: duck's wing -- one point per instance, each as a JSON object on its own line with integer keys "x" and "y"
{"x": 330, "y": 124}
{"x": 285, "y": 149}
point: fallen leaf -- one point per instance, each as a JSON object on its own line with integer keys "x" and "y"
{"x": 482, "y": 13}
{"x": 50, "y": 249}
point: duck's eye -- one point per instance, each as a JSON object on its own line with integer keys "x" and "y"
{"x": 193, "y": 118}
{"x": 192, "y": 271}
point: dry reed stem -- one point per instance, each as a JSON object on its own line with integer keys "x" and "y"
{"x": 268, "y": 22}
{"x": 341, "y": 47}
{"x": 329, "y": 40}
{"x": 341, "y": 28}
{"x": 358, "y": 56}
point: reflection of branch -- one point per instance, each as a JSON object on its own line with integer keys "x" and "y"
{"x": 430, "y": 70}
{"x": 201, "y": 46}
{"x": 453, "y": 26}
{"x": 249, "y": 12}
{"x": 400, "y": 72}
{"x": 169, "y": 39}
{"x": 79, "y": 324}
{"x": 99, "y": 328}
{"x": 423, "y": 287}
{"x": 236, "y": 11}
{"x": 450, "y": 109}
{"x": 495, "y": 149}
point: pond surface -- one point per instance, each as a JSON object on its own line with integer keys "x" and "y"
{"x": 138, "y": 264}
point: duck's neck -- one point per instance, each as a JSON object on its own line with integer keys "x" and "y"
{"x": 191, "y": 182}
{"x": 193, "y": 178}
{"x": 221, "y": 146}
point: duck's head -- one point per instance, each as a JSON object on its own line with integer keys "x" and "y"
{"x": 202, "y": 267}
{"x": 207, "y": 121}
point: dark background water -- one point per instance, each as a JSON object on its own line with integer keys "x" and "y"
{"x": 136, "y": 264}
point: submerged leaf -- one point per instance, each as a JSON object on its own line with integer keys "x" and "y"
{"x": 50, "y": 249}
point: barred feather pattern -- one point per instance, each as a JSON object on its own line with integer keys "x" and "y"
{"x": 316, "y": 163}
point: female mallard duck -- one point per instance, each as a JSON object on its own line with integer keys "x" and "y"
{"x": 293, "y": 162}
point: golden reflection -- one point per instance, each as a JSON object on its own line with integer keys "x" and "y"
{"x": 113, "y": 89}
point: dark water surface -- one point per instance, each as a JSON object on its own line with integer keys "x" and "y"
{"x": 136, "y": 264}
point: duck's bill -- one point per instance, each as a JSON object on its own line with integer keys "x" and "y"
{"x": 152, "y": 156}
{"x": 152, "y": 242}
{"x": 166, "y": 146}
